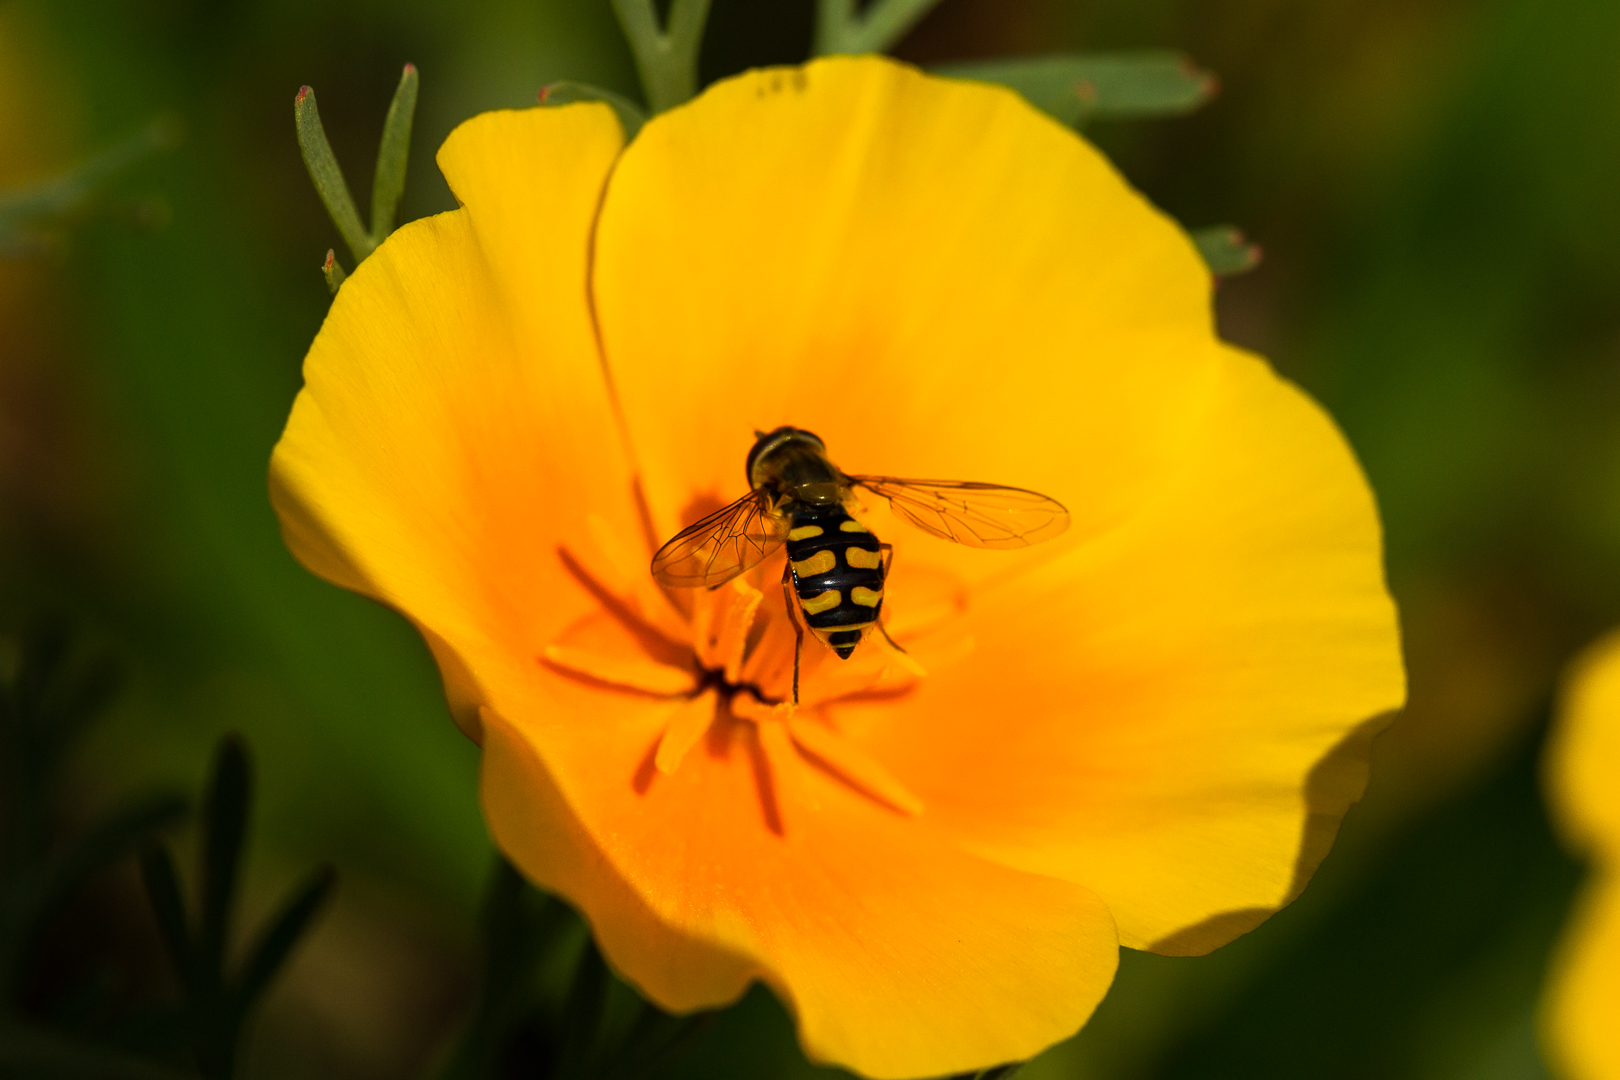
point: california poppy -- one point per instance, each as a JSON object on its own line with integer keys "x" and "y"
{"x": 1141, "y": 733}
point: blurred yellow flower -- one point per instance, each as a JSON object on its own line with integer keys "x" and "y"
{"x": 1144, "y": 732}
{"x": 1582, "y": 1009}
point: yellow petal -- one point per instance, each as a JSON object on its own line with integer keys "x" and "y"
{"x": 929, "y": 274}
{"x": 1177, "y": 714}
{"x": 1584, "y": 758}
{"x": 450, "y": 433}
{"x": 536, "y": 825}
{"x": 900, "y": 955}
{"x": 1583, "y": 999}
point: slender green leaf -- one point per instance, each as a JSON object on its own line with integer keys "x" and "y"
{"x": 163, "y": 893}
{"x": 327, "y": 177}
{"x": 224, "y": 831}
{"x": 389, "y": 183}
{"x": 1079, "y": 87}
{"x": 887, "y": 21}
{"x": 333, "y": 272}
{"x": 1226, "y": 250}
{"x": 631, "y": 116}
{"x": 276, "y": 941}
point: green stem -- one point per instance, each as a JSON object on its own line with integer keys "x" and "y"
{"x": 833, "y": 19}
{"x": 584, "y": 1013}
{"x": 842, "y": 29}
{"x": 667, "y": 61}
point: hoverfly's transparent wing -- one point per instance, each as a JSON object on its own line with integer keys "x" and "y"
{"x": 978, "y": 515}
{"x": 721, "y": 546}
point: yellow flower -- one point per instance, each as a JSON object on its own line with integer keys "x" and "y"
{"x": 1143, "y": 732}
{"x": 1582, "y": 1010}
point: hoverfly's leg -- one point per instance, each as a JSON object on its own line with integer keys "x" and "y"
{"x": 893, "y": 644}
{"x": 886, "y": 553}
{"x": 905, "y": 658}
{"x": 790, "y": 601}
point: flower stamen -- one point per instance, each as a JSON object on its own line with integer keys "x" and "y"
{"x": 637, "y": 674}
{"x": 838, "y": 756}
{"x": 689, "y": 722}
{"x": 723, "y": 659}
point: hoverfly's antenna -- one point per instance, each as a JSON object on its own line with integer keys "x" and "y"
{"x": 758, "y": 434}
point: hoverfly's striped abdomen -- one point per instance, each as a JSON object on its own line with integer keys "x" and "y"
{"x": 837, "y": 573}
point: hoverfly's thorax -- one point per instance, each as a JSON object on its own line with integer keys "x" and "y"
{"x": 818, "y": 492}
{"x": 793, "y": 462}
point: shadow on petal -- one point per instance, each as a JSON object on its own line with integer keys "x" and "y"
{"x": 1334, "y": 785}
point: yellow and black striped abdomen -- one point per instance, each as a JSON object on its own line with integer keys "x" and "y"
{"x": 837, "y": 573}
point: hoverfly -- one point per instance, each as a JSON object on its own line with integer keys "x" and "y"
{"x": 835, "y": 566}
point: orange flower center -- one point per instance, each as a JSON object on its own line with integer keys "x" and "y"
{"x": 723, "y": 658}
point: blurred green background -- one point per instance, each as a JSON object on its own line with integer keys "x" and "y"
{"x": 1436, "y": 185}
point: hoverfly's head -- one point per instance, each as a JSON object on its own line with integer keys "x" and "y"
{"x": 772, "y": 447}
